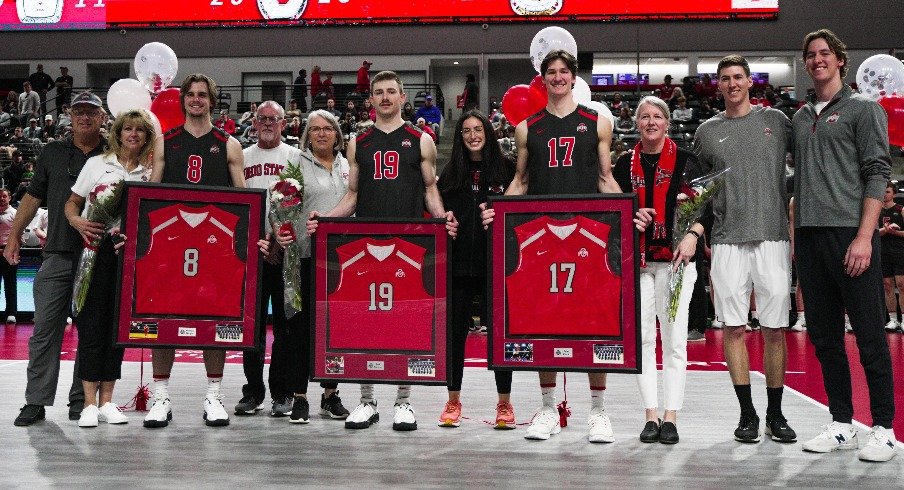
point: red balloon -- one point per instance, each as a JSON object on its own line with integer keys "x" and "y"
{"x": 168, "y": 109}
{"x": 538, "y": 86}
{"x": 519, "y": 102}
{"x": 894, "y": 106}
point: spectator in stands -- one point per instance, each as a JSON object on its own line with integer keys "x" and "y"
{"x": 624, "y": 123}
{"x": 408, "y": 112}
{"x": 422, "y": 125}
{"x": 316, "y": 84}
{"x": 331, "y": 108}
{"x": 11, "y": 105}
{"x": 705, "y": 111}
{"x": 246, "y": 118}
{"x": 347, "y": 124}
{"x": 12, "y": 175}
{"x": 769, "y": 95}
{"x": 293, "y": 131}
{"x": 326, "y": 86}
{"x": 891, "y": 229}
{"x": 673, "y": 100}
{"x": 619, "y": 148}
{"x": 298, "y": 90}
{"x": 430, "y": 113}
{"x": 363, "y": 85}
{"x": 294, "y": 110}
{"x": 225, "y": 122}
{"x": 29, "y": 104}
{"x": 665, "y": 90}
{"x": 704, "y": 88}
{"x": 364, "y": 121}
{"x": 682, "y": 112}
{"x": 41, "y": 83}
{"x": 350, "y": 109}
{"x": 49, "y": 128}
{"x": 370, "y": 109}
{"x": 5, "y": 119}
{"x": 7, "y": 269}
{"x": 33, "y": 131}
{"x": 249, "y": 136}
{"x": 65, "y": 118}
{"x": 63, "y": 85}
{"x": 471, "y": 94}
{"x": 617, "y": 102}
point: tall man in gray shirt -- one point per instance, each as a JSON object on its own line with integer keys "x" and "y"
{"x": 751, "y": 250}
{"x": 842, "y": 157}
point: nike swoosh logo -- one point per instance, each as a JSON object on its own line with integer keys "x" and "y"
{"x": 723, "y": 139}
{"x": 362, "y": 273}
{"x": 543, "y": 252}
{"x": 171, "y": 238}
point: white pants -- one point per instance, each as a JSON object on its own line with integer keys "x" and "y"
{"x": 654, "y": 301}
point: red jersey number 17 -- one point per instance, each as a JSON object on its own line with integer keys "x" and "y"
{"x": 554, "y": 143}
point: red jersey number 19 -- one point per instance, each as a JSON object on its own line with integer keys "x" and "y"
{"x": 380, "y": 296}
{"x": 193, "y": 173}
{"x": 554, "y": 144}
{"x": 386, "y": 165}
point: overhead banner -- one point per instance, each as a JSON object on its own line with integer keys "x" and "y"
{"x": 102, "y": 14}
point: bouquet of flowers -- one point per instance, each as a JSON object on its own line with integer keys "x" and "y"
{"x": 103, "y": 207}
{"x": 285, "y": 195}
{"x": 690, "y": 209}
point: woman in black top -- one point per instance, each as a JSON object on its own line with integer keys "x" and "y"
{"x": 476, "y": 170}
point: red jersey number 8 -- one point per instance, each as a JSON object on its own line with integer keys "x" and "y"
{"x": 193, "y": 174}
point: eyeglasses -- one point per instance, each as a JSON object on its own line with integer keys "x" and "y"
{"x": 268, "y": 119}
{"x": 468, "y": 131}
{"x": 84, "y": 112}
{"x": 324, "y": 129}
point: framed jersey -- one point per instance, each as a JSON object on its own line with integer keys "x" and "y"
{"x": 190, "y": 271}
{"x": 379, "y": 301}
{"x": 562, "y": 282}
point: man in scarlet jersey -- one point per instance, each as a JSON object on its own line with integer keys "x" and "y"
{"x": 564, "y": 149}
{"x": 194, "y": 153}
{"x": 392, "y": 174}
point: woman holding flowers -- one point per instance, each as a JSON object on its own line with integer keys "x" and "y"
{"x": 656, "y": 171}
{"x": 130, "y": 142}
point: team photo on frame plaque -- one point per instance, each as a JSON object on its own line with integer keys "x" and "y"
{"x": 190, "y": 270}
{"x": 379, "y": 301}
{"x": 562, "y": 283}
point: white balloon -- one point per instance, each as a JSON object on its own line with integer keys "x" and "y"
{"x": 551, "y": 39}
{"x": 602, "y": 109}
{"x": 581, "y": 91}
{"x": 156, "y": 66}
{"x": 127, "y": 94}
{"x": 880, "y": 75}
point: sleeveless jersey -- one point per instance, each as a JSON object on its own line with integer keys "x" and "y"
{"x": 562, "y": 153}
{"x": 563, "y": 284}
{"x": 390, "y": 184}
{"x": 190, "y": 267}
{"x": 892, "y": 246}
{"x": 380, "y": 296}
{"x": 191, "y": 160}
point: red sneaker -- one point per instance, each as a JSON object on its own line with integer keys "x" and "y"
{"x": 451, "y": 416}
{"x": 505, "y": 416}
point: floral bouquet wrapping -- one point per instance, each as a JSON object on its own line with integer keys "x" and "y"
{"x": 285, "y": 197}
{"x": 103, "y": 207}
{"x": 690, "y": 208}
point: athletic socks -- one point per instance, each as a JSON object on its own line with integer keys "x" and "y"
{"x": 367, "y": 394}
{"x": 213, "y": 384}
{"x": 774, "y": 396}
{"x": 549, "y": 395}
{"x": 745, "y": 398}
{"x": 403, "y": 394}
{"x": 161, "y": 386}
{"x": 596, "y": 396}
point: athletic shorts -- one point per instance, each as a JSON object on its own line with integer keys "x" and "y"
{"x": 892, "y": 265}
{"x": 763, "y": 267}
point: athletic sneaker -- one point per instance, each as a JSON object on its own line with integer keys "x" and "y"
{"x": 600, "y": 426}
{"x": 160, "y": 413}
{"x": 482, "y": 330}
{"x": 404, "y": 417}
{"x": 748, "y": 428}
{"x": 249, "y": 405}
{"x": 777, "y": 428}
{"x": 331, "y": 406}
{"x": 11, "y": 319}
{"x": 892, "y": 325}
{"x": 544, "y": 424}
{"x": 363, "y": 416}
{"x": 753, "y": 324}
{"x": 695, "y": 336}
{"x": 111, "y": 414}
{"x": 716, "y": 324}
{"x": 800, "y": 325}
{"x": 880, "y": 445}
{"x": 834, "y": 436}
{"x": 451, "y": 416}
{"x": 505, "y": 416}
{"x": 281, "y": 407}
{"x": 214, "y": 412}
{"x": 89, "y": 417}
{"x": 847, "y": 324}
{"x": 300, "y": 411}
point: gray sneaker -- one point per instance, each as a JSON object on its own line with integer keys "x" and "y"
{"x": 695, "y": 336}
{"x": 282, "y": 407}
{"x": 249, "y": 405}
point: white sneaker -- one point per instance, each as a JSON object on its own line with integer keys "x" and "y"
{"x": 111, "y": 414}
{"x": 847, "y": 324}
{"x": 892, "y": 325}
{"x": 214, "y": 412}
{"x": 800, "y": 325}
{"x": 404, "y": 417}
{"x": 88, "y": 417}
{"x": 880, "y": 445}
{"x": 544, "y": 424}
{"x": 11, "y": 319}
{"x": 160, "y": 413}
{"x": 363, "y": 416}
{"x": 834, "y": 436}
{"x": 600, "y": 427}
{"x": 717, "y": 324}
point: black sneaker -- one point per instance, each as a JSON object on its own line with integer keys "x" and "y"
{"x": 748, "y": 428}
{"x": 668, "y": 433}
{"x": 777, "y": 427}
{"x": 75, "y": 409}
{"x": 282, "y": 407}
{"x": 300, "y": 411}
{"x": 650, "y": 432}
{"x": 249, "y": 405}
{"x": 29, "y": 414}
{"x": 331, "y": 407}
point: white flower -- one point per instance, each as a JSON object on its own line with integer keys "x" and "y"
{"x": 294, "y": 183}
{"x": 681, "y": 196}
{"x": 276, "y": 197}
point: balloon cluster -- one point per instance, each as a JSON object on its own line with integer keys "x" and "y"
{"x": 881, "y": 78}
{"x": 155, "y": 69}
{"x": 520, "y": 101}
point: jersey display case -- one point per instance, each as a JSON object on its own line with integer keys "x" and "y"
{"x": 563, "y": 282}
{"x": 379, "y": 301}
{"x": 190, "y": 270}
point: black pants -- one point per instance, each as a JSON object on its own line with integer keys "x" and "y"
{"x": 698, "y": 310}
{"x": 461, "y": 293}
{"x": 8, "y": 272}
{"x": 99, "y": 360}
{"x": 253, "y": 360}
{"x": 300, "y": 335}
{"x": 829, "y": 292}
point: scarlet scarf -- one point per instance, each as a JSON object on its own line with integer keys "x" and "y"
{"x": 662, "y": 179}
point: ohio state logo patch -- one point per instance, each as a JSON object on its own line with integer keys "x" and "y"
{"x": 400, "y": 273}
{"x": 768, "y": 131}
{"x": 833, "y": 118}
{"x": 582, "y": 128}
{"x": 406, "y": 143}
{"x": 214, "y": 149}
{"x": 583, "y": 253}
